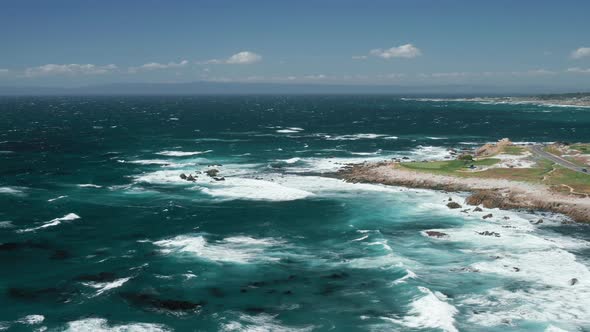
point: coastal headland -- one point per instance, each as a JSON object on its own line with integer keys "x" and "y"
{"x": 550, "y": 177}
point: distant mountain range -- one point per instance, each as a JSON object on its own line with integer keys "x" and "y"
{"x": 209, "y": 88}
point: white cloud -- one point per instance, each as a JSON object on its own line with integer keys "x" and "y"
{"x": 240, "y": 58}
{"x": 3, "y": 71}
{"x": 69, "y": 69}
{"x": 581, "y": 53}
{"x": 359, "y": 57}
{"x": 407, "y": 51}
{"x": 158, "y": 66}
{"x": 578, "y": 70}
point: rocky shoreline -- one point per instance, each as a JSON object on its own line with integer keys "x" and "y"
{"x": 489, "y": 193}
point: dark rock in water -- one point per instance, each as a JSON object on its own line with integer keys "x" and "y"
{"x": 506, "y": 218}
{"x": 540, "y": 221}
{"x": 100, "y": 277}
{"x": 477, "y": 209}
{"x": 212, "y": 172}
{"x": 465, "y": 211}
{"x": 405, "y": 158}
{"x": 450, "y": 199}
{"x": 191, "y": 178}
{"x": 516, "y": 269}
{"x": 183, "y": 176}
{"x": 151, "y": 301}
{"x": 489, "y": 215}
{"x": 487, "y": 233}
{"x": 454, "y": 205}
{"x": 221, "y": 178}
{"x": 436, "y": 234}
{"x": 60, "y": 254}
{"x": 573, "y": 281}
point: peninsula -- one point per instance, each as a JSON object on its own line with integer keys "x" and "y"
{"x": 552, "y": 177}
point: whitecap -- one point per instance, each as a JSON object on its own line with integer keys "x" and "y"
{"x": 182, "y": 153}
{"x": 32, "y": 319}
{"x": 260, "y": 323}
{"x": 251, "y": 189}
{"x": 11, "y": 191}
{"x": 238, "y": 249}
{"x": 291, "y": 160}
{"x": 6, "y": 224}
{"x": 53, "y": 222}
{"x": 105, "y": 286}
{"x": 429, "y": 311}
{"x": 89, "y": 185}
{"x": 56, "y": 198}
{"x": 353, "y": 137}
{"x": 102, "y": 325}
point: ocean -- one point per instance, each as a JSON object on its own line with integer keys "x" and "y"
{"x": 98, "y": 232}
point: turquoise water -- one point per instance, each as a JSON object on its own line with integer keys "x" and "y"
{"x": 99, "y": 233}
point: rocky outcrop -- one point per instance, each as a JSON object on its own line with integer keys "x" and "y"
{"x": 491, "y": 149}
{"x": 488, "y": 193}
{"x": 212, "y": 172}
{"x": 436, "y": 234}
{"x": 454, "y": 205}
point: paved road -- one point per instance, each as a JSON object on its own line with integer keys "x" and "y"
{"x": 538, "y": 150}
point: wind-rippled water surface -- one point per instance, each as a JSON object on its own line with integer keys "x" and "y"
{"x": 98, "y": 231}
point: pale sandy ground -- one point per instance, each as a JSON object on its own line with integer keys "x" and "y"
{"x": 503, "y": 193}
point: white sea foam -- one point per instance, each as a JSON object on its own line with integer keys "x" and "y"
{"x": 56, "y": 198}
{"x": 6, "y": 224}
{"x": 102, "y": 325}
{"x": 146, "y": 161}
{"x": 105, "y": 286}
{"x": 430, "y": 311}
{"x": 353, "y": 137}
{"x": 53, "y": 222}
{"x": 260, "y": 323}
{"x": 182, "y": 153}
{"x": 11, "y": 191}
{"x": 251, "y": 189}
{"x": 291, "y": 160}
{"x": 238, "y": 249}
{"x": 409, "y": 275}
{"x": 429, "y": 153}
{"x": 32, "y": 319}
{"x": 89, "y": 185}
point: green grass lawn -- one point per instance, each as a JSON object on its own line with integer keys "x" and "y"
{"x": 514, "y": 150}
{"x": 448, "y": 166}
{"x": 582, "y": 147}
{"x": 545, "y": 172}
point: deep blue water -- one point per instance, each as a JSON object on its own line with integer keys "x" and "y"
{"x": 98, "y": 231}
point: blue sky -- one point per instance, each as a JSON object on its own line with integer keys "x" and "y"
{"x": 413, "y": 43}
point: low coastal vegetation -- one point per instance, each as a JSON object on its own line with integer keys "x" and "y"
{"x": 489, "y": 161}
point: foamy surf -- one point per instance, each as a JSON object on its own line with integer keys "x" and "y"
{"x": 238, "y": 249}
{"x": 53, "y": 222}
{"x": 182, "y": 153}
{"x": 431, "y": 310}
{"x": 106, "y": 286}
{"x": 102, "y": 325}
